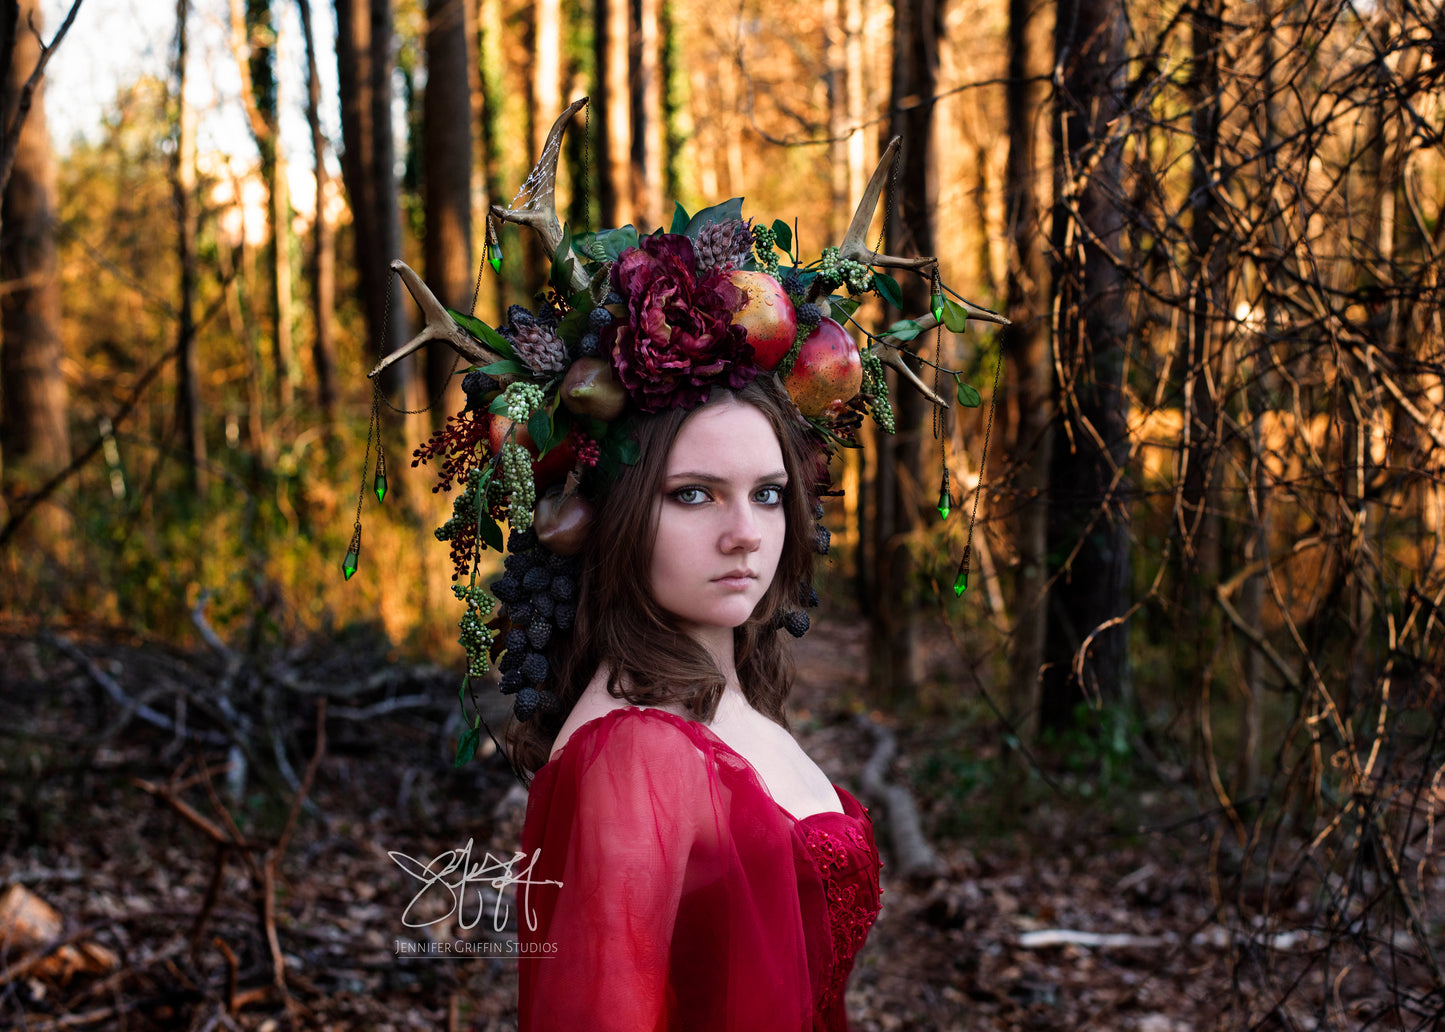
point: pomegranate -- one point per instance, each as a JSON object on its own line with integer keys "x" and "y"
{"x": 828, "y": 371}
{"x": 767, "y": 315}
{"x": 552, "y": 469}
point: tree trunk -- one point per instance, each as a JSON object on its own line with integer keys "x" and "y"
{"x": 448, "y": 169}
{"x": 1088, "y": 523}
{"x": 363, "y": 61}
{"x": 612, "y": 109}
{"x": 183, "y": 190}
{"x": 646, "y": 107}
{"x": 1026, "y": 347}
{"x": 896, "y": 668}
{"x": 253, "y": 39}
{"x": 323, "y": 243}
{"x": 35, "y": 432}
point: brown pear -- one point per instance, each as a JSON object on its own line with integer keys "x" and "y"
{"x": 562, "y": 521}
{"x": 590, "y": 389}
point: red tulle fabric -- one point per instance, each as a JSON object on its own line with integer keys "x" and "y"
{"x": 689, "y": 898}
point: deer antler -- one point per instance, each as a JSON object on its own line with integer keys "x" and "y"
{"x": 439, "y": 325}
{"x": 540, "y": 211}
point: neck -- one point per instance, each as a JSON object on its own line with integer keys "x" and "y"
{"x": 718, "y": 641}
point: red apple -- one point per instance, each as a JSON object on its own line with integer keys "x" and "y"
{"x": 551, "y": 469}
{"x": 767, "y": 315}
{"x": 828, "y": 371}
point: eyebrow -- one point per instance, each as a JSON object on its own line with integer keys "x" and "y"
{"x": 713, "y": 478}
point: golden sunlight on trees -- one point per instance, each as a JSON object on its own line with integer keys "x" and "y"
{"x": 1204, "y": 561}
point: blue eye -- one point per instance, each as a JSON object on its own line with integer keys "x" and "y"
{"x": 770, "y": 495}
{"x": 690, "y": 495}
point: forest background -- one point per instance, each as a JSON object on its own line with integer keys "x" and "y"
{"x": 1205, "y": 576}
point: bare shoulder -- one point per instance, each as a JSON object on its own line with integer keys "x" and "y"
{"x": 594, "y": 702}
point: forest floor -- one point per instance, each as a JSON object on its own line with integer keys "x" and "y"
{"x": 106, "y": 818}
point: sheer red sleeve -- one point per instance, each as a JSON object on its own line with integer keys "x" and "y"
{"x": 679, "y": 903}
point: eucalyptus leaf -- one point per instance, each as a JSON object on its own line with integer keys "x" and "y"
{"x": 561, "y": 425}
{"x": 968, "y": 397}
{"x": 484, "y": 333}
{"x": 507, "y": 367}
{"x": 955, "y": 316}
{"x": 888, "y": 289}
{"x": 783, "y": 233}
{"x": 729, "y": 209}
{"x": 680, "y": 218}
{"x": 490, "y": 533}
{"x": 467, "y": 746}
{"x": 904, "y": 330}
{"x": 540, "y": 427}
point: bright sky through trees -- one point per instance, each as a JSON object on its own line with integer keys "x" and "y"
{"x": 115, "y": 43}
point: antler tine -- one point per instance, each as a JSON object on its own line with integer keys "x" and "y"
{"x": 439, "y": 325}
{"x": 540, "y": 211}
{"x": 890, "y": 356}
{"x": 854, "y": 243}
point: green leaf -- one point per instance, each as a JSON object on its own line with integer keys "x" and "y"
{"x": 680, "y": 218}
{"x": 561, "y": 425}
{"x": 507, "y": 367}
{"x": 729, "y": 209}
{"x": 955, "y": 316}
{"x": 967, "y": 396}
{"x": 467, "y": 745}
{"x": 490, "y": 533}
{"x": 540, "y": 427}
{"x": 574, "y": 323}
{"x": 629, "y": 451}
{"x": 498, "y": 407}
{"x": 784, "y": 235}
{"x": 484, "y": 333}
{"x": 888, "y": 288}
{"x": 605, "y": 246}
{"x": 843, "y": 306}
{"x": 904, "y": 330}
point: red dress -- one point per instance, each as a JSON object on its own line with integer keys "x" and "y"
{"x": 689, "y": 899}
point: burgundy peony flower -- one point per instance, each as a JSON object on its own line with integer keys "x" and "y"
{"x": 678, "y": 341}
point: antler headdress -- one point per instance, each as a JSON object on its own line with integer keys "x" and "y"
{"x": 640, "y": 323}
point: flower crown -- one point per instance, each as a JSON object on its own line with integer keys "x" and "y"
{"x": 636, "y": 324}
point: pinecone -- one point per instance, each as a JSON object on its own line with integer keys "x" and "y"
{"x": 723, "y": 243}
{"x": 539, "y": 347}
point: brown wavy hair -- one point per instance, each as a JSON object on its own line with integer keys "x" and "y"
{"x": 651, "y": 661}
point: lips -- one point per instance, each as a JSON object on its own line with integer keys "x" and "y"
{"x": 736, "y": 579}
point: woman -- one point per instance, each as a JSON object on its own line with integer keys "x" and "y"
{"x": 710, "y": 876}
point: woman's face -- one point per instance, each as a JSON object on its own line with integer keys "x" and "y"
{"x": 720, "y": 518}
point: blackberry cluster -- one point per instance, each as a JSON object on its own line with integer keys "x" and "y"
{"x": 477, "y": 385}
{"x": 809, "y": 314}
{"x": 793, "y": 283}
{"x": 796, "y": 621}
{"x": 538, "y": 592}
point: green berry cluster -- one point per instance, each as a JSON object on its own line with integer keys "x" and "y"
{"x": 476, "y": 636}
{"x": 522, "y": 399}
{"x": 875, "y": 388}
{"x": 765, "y": 242}
{"x": 522, "y": 489}
{"x": 836, "y": 269}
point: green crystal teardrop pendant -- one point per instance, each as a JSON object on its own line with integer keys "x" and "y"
{"x": 378, "y": 484}
{"x": 944, "y": 502}
{"x": 960, "y": 580}
{"x": 494, "y": 257}
{"x": 353, "y": 554}
{"x": 936, "y": 303}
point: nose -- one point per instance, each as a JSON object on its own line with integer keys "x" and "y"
{"x": 741, "y": 532}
